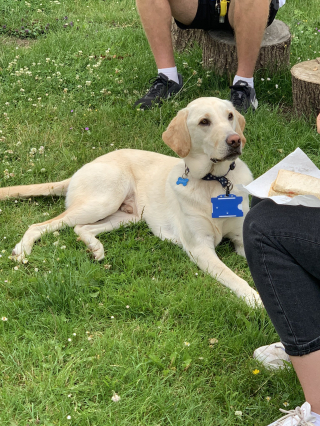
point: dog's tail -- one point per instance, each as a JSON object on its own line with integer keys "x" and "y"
{"x": 25, "y": 191}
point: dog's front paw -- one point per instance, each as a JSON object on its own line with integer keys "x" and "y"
{"x": 240, "y": 250}
{"x": 253, "y": 299}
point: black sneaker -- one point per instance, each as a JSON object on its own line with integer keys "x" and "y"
{"x": 243, "y": 96}
{"x": 162, "y": 88}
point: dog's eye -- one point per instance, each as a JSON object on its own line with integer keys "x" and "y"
{"x": 230, "y": 116}
{"x": 205, "y": 122}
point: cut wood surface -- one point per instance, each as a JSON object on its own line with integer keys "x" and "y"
{"x": 220, "y": 53}
{"x": 181, "y": 39}
{"x": 306, "y": 87}
{"x": 219, "y": 47}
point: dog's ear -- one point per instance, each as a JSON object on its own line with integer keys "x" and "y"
{"x": 240, "y": 127}
{"x": 177, "y": 135}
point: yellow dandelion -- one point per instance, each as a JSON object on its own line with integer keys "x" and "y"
{"x": 255, "y": 371}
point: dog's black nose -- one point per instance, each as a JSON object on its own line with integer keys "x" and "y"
{"x": 233, "y": 141}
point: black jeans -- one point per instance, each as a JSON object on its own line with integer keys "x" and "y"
{"x": 282, "y": 245}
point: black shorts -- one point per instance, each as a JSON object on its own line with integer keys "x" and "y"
{"x": 207, "y": 17}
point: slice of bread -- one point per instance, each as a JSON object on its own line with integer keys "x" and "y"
{"x": 291, "y": 184}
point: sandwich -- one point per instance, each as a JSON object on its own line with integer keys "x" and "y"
{"x": 290, "y": 184}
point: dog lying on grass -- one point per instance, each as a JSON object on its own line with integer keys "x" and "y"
{"x": 129, "y": 185}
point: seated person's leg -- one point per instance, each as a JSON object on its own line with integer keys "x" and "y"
{"x": 282, "y": 245}
{"x": 249, "y": 19}
{"x": 156, "y": 17}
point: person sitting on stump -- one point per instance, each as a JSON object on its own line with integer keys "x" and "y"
{"x": 247, "y": 18}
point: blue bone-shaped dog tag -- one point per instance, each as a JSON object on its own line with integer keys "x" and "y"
{"x": 182, "y": 181}
{"x": 227, "y": 206}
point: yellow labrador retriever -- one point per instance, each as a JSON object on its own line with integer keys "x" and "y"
{"x": 130, "y": 185}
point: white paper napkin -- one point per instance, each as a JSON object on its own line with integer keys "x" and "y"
{"x": 298, "y": 162}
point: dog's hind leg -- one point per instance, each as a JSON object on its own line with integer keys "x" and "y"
{"x": 88, "y": 211}
{"x": 87, "y": 233}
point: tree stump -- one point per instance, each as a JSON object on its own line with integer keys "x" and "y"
{"x": 181, "y": 39}
{"x": 219, "y": 47}
{"x": 306, "y": 87}
{"x": 220, "y": 53}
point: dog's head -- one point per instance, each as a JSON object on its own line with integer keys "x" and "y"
{"x": 208, "y": 131}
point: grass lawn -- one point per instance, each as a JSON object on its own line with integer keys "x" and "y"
{"x": 145, "y": 324}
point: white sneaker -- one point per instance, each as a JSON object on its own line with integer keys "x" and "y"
{"x": 272, "y": 356}
{"x": 301, "y": 416}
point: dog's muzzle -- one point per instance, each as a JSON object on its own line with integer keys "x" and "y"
{"x": 234, "y": 146}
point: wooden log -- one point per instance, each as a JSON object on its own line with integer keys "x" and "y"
{"x": 182, "y": 39}
{"x": 219, "y": 48}
{"x": 220, "y": 54}
{"x": 306, "y": 87}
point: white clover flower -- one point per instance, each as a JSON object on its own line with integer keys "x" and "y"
{"x": 116, "y": 397}
{"x": 238, "y": 413}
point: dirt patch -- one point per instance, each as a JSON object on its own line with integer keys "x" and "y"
{"x": 18, "y": 42}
